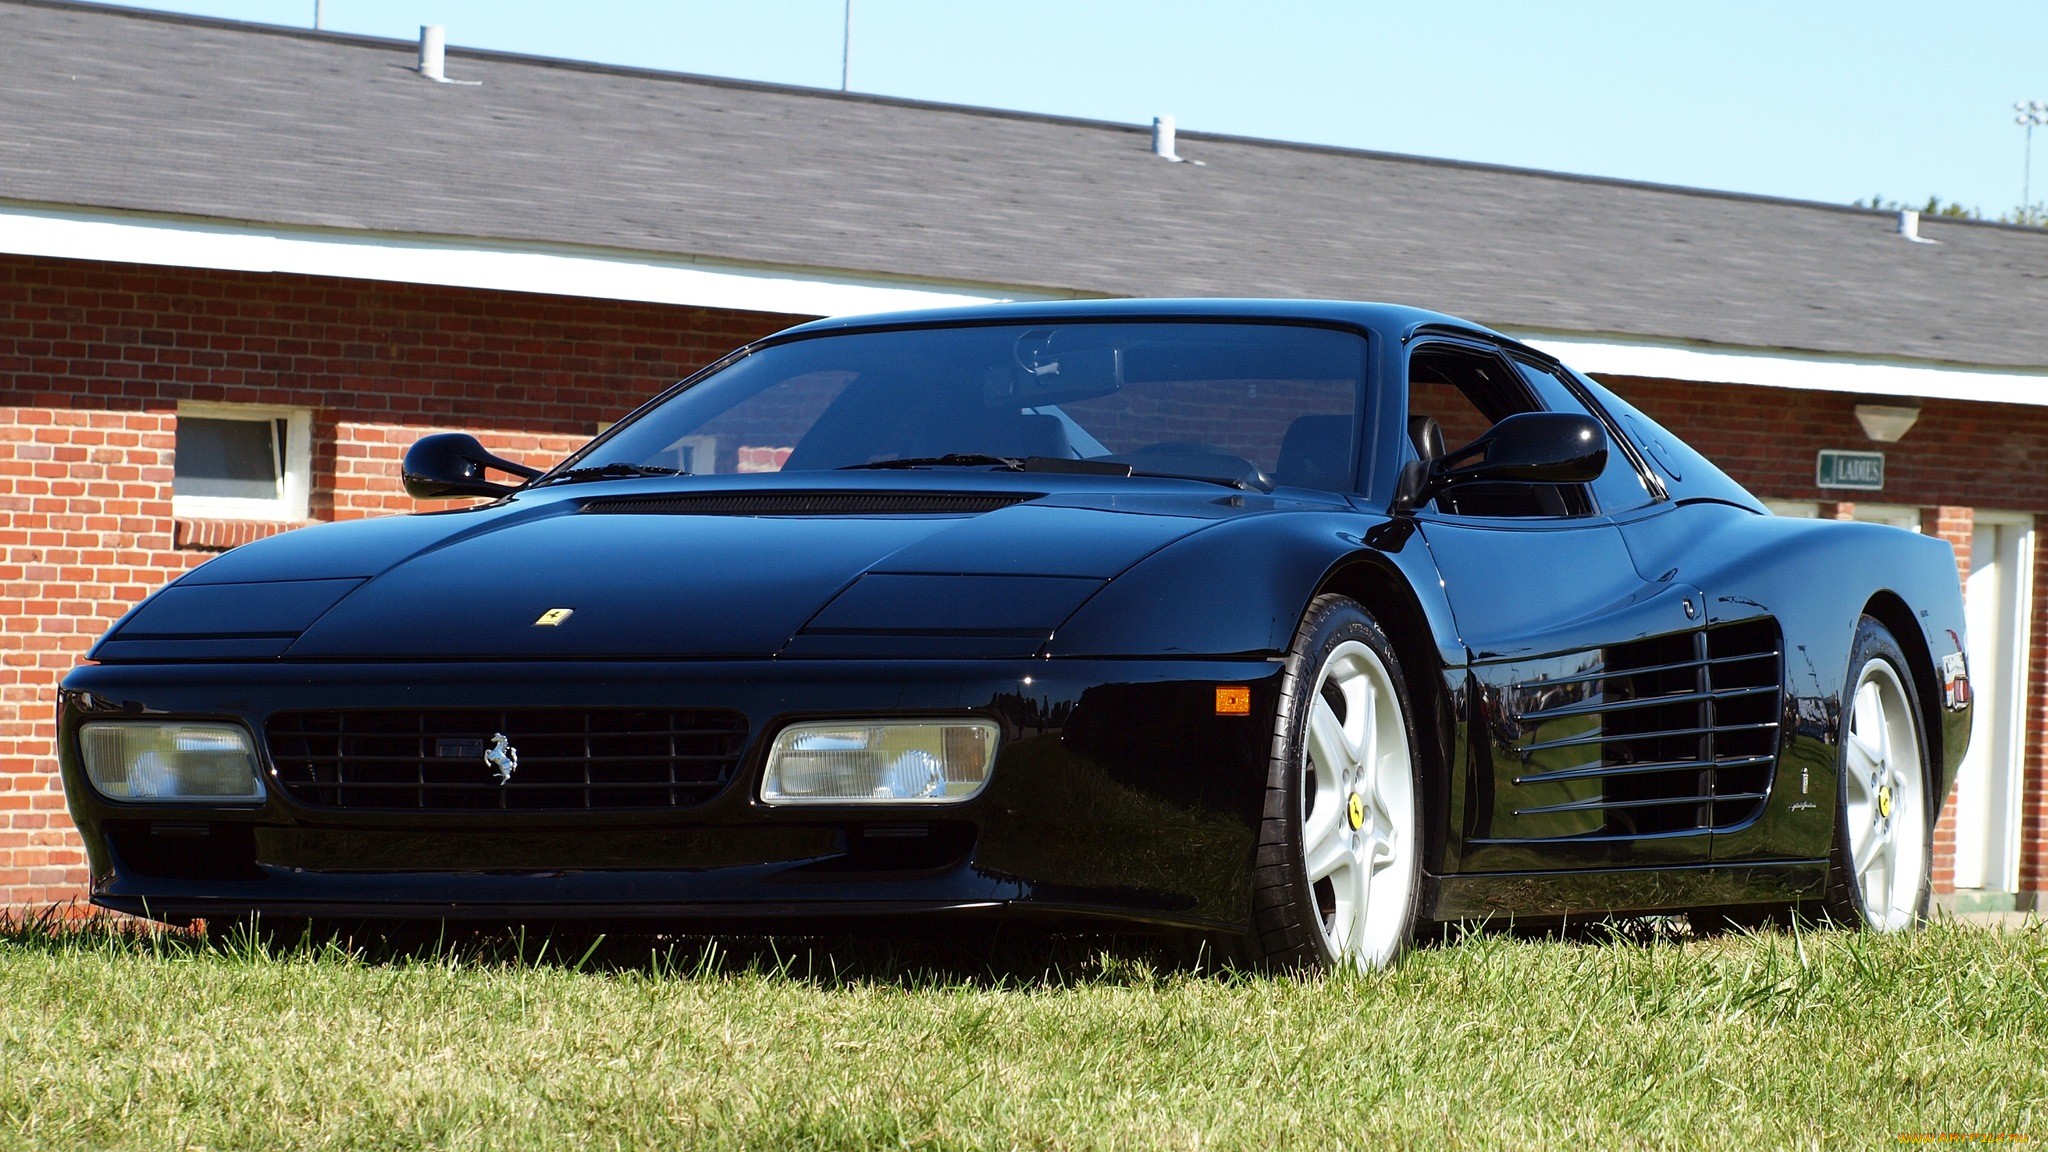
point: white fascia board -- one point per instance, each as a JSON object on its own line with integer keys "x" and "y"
{"x": 604, "y": 274}
{"x": 1611, "y": 356}
{"x": 599, "y": 274}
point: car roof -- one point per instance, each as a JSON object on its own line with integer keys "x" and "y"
{"x": 1397, "y": 321}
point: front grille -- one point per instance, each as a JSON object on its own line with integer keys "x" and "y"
{"x": 1683, "y": 729}
{"x": 809, "y": 503}
{"x": 568, "y": 759}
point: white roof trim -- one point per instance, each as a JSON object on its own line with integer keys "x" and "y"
{"x": 28, "y": 230}
{"x": 601, "y": 274}
{"x": 1612, "y": 356}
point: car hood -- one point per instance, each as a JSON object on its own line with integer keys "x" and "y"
{"x": 668, "y": 574}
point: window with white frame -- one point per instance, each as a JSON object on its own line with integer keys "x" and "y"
{"x": 242, "y": 462}
{"x": 1797, "y": 509}
{"x": 1897, "y": 515}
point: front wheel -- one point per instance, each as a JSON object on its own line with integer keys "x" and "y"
{"x": 1341, "y": 843}
{"x": 1878, "y": 874}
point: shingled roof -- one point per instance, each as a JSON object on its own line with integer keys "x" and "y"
{"x": 112, "y": 108}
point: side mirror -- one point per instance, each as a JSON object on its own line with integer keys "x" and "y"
{"x": 1526, "y": 448}
{"x": 452, "y": 464}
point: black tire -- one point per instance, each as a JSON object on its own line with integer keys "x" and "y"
{"x": 1287, "y": 920}
{"x": 1844, "y": 902}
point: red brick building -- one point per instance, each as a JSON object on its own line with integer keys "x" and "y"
{"x": 242, "y": 268}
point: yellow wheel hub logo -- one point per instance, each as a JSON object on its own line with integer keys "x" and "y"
{"x": 1357, "y": 812}
{"x": 1884, "y": 803}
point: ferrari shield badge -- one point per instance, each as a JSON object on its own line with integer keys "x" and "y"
{"x": 502, "y": 757}
{"x": 553, "y": 617}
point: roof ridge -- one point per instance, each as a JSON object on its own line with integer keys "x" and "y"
{"x": 106, "y": 8}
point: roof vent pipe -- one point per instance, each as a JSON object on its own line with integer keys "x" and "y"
{"x": 434, "y": 52}
{"x": 1909, "y": 227}
{"x": 1162, "y": 139}
{"x": 434, "y": 56}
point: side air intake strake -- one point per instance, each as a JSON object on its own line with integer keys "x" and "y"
{"x": 809, "y": 503}
{"x": 1675, "y": 733}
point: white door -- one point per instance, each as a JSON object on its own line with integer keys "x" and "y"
{"x": 1998, "y": 608}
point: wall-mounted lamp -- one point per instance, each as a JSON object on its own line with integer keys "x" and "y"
{"x": 1887, "y": 423}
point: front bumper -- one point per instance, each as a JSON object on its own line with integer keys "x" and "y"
{"x": 1117, "y": 792}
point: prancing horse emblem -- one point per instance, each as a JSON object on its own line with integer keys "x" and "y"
{"x": 502, "y": 756}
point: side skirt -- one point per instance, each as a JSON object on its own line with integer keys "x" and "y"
{"x": 1505, "y": 895}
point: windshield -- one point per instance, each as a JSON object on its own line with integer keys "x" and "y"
{"x": 1264, "y": 403}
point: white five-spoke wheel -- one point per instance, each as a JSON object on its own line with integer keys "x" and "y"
{"x": 1358, "y": 809}
{"x": 1341, "y": 845}
{"x": 1882, "y": 839}
{"x": 1884, "y": 810}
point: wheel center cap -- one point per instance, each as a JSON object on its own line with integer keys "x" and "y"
{"x": 1884, "y": 802}
{"x": 1356, "y": 810}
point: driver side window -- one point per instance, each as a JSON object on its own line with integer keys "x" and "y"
{"x": 1456, "y": 393}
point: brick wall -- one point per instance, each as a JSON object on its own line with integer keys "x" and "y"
{"x": 94, "y": 359}
{"x": 1958, "y": 457}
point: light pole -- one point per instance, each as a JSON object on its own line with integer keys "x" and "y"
{"x": 846, "y": 49}
{"x": 2029, "y": 114}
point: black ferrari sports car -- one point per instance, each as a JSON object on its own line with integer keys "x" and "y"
{"x": 1296, "y": 624}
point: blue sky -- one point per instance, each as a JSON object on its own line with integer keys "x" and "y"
{"x": 1816, "y": 99}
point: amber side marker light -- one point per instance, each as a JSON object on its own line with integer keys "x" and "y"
{"x": 1233, "y": 701}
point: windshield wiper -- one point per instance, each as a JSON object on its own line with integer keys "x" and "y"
{"x": 1074, "y": 467}
{"x": 949, "y": 460}
{"x": 1053, "y": 464}
{"x": 616, "y": 470}
{"x": 1241, "y": 483}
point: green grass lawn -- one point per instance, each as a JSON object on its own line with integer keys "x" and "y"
{"x": 1816, "y": 1039}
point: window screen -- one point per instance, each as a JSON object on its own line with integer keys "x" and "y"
{"x": 234, "y": 459}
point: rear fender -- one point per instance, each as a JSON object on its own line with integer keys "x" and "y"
{"x": 1818, "y": 578}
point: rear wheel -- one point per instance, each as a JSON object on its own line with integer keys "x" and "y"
{"x": 1340, "y": 844}
{"x": 1878, "y": 875}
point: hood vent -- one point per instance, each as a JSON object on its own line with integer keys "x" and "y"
{"x": 810, "y": 503}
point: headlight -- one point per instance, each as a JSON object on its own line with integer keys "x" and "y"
{"x": 880, "y": 761}
{"x": 147, "y": 760}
